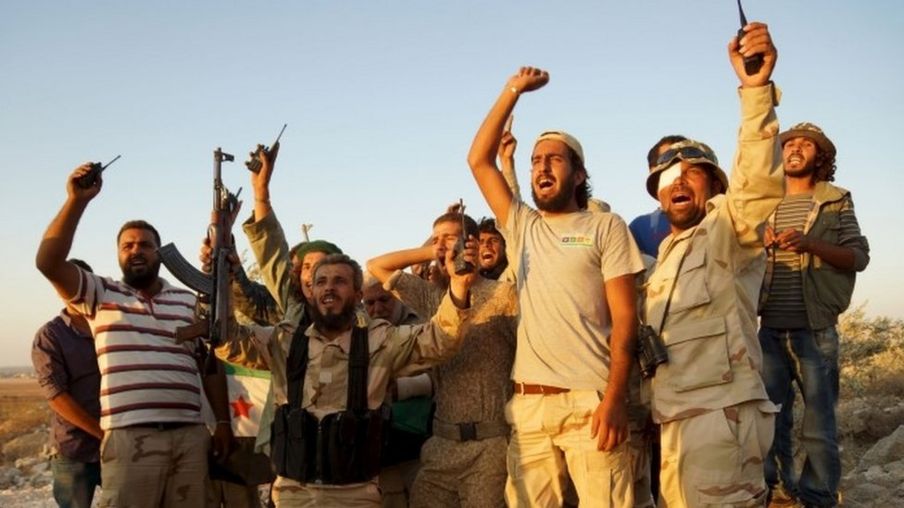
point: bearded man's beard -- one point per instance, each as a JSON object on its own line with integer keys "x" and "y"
{"x": 558, "y": 202}
{"x": 686, "y": 219}
{"x": 140, "y": 277}
{"x": 333, "y": 322}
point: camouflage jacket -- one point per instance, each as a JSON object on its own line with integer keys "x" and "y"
{"x": 711, "y": 328}
{"x": 395, "y": 351}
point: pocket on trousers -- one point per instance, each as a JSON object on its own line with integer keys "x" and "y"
{"x": 698, "y": 355}
{"x": 604, "y": 483}
{"x": 107, "y": 450}
{"x": 584, "y": 403}
{"x": 718, "y": 477}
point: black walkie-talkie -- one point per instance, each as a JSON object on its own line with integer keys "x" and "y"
{"x": 88, "y": 180}
{"x": 462, "y": 266}
{"x": 753, "y": 63}
{"x": 254, "y": 163}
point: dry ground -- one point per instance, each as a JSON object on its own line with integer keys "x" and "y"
{"x": 22, "y": 408}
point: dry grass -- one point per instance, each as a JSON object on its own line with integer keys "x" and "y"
{"x": 872, "y": 381}
{"x": 872, "y": 355}
{"x": 22, "y": 408}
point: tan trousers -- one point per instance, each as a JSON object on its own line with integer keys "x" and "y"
{"x": 292, "y": 494}
{"x": 455, "y": 474}
{"x": 551, "y": 438}
{"x": 640, "y": 443}
{"x": 716, "y": 459}
{"x": 143, "y": 467}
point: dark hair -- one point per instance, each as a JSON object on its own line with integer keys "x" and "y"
{"x": 715, "y": 183}
{"x": 471, "y": 228}
{"x": 653, "y": 154}
{"x": 582, "y": 192}
{"x": 343, "y": 259}
{"x": 138, "y": 224}
{"x": 81, "y": 264}
{"x": 488, "y": 225}
{"x": 825, "y": 166}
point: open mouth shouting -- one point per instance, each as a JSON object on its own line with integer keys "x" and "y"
{"x": 138, "y": 262}
{"x": 545, "y": 183}
{"x": 681, "y": 199}
{"x": 795, "y": 160}
{"x": 328, "y": 299}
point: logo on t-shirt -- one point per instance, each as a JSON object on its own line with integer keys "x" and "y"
{"x": 577, "y": 241}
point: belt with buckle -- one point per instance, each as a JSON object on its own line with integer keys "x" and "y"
{"x": 469, "y": 431}
{"x": 529, "y": 389}
{"x": 161, "y": 426}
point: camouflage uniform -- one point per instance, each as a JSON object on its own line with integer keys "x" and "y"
{"x": 394, "y": 352}
{"x": 710, "y": 399}
{"x": 472, "y": 387}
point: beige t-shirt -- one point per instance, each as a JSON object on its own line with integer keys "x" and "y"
{"x": 561, "y": 265}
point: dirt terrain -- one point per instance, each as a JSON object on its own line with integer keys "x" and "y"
{"x": 870, "y": 421}
{"x": 22, "y": 407}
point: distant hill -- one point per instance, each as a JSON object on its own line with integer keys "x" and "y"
{"x": 8, "y": 372}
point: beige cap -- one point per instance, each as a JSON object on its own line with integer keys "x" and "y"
{"x": 566, "y": 138}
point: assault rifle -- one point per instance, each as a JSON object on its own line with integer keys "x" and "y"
{"x": 213, "y": 289}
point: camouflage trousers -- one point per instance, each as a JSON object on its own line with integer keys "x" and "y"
{"x": 396, "y": 481}
{"x": 232, "y": 495}
{"x": 467, "y": 473}
{"x": 146, "y": 467}
{"x": 551, "y": 441}
{"x": 715, "y": 459}
{"x": 292, "y": 494}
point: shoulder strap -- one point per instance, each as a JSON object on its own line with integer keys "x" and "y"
{"x": 668, "y": 302}
{"x": 358, "y": 360}
{"x": 297, "y": 363}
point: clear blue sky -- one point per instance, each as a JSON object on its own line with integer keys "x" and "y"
{"x": 382, "y": 101}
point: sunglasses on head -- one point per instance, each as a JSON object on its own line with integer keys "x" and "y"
{"x": 684, "y": 153}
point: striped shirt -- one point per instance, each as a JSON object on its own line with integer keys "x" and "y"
{"x": 785, "y": 307}
{"x": 145, "y": 375}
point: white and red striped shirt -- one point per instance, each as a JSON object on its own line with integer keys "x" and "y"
{"x": 146, "y": 377}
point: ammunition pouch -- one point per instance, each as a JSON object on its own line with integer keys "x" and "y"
{"x": 341, "y": 448}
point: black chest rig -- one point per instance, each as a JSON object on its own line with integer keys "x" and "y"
{"x": 341, "y": 448}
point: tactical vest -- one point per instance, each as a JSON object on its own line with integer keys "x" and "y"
{"x": 342, "y": 447}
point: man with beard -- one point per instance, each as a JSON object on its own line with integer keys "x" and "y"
{"x": 716, "y": 419}
{"x": 320, "y": 386}
{"x": 815, "y": 249}
{"x": 641, "y": 433}
{"x": 575, "y": 273}
{"x": 493, "y": 260}
{"x": 254, "y": 300}
{"x": 649, "y": 230}
{"x": 463, "y": 463}
{"x": 507, "y": 145}
{"x": 150, "y": 384}
{"x": 315, "y": 376}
